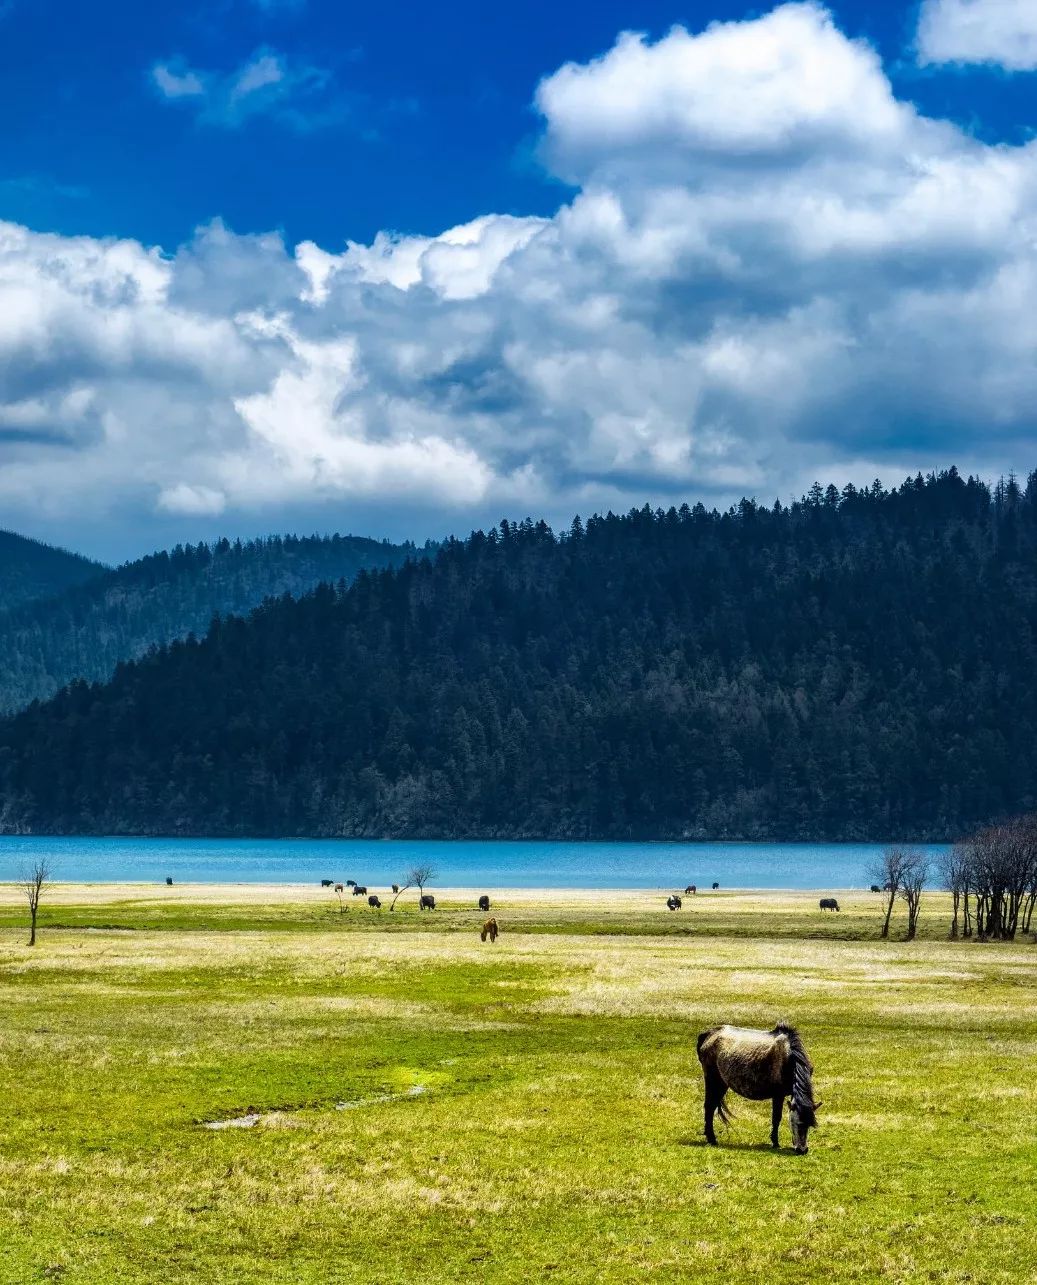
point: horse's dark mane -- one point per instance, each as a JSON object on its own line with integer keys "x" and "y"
{"x": 802, "y": 1070}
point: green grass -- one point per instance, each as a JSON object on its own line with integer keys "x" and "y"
{"x": 230, "y": 908}
{"x": 558, "y": 1136}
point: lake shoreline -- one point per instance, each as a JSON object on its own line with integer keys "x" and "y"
{"x": 291, "y": 893}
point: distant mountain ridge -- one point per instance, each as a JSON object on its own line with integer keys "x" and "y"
{"x": 30, "y": 569}
{"x": 116, "y": 615}
{"x": 856, "y": 665}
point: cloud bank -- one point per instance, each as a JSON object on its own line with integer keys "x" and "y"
{"x": 1001, "y": 32}
{"x": 771, "y": 270}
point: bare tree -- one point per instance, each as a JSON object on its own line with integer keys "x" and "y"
{"x": 419, "y": 876}
{"x": 33, "y": 884}
{"x": 954, "y": 867}
{"x": 1028, "y": 871}
{"x": 888, "y": 873}
{"x": 398, "y": 891}
{"x": 1029, "y": 901}
{"x": 912, "y": 885}
{"x": 1003, "y": 861}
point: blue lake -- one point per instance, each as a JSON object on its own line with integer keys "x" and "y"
{"x": 465, "y": 863}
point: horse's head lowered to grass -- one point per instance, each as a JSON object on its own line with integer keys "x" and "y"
{"x": 802, "y": 1106}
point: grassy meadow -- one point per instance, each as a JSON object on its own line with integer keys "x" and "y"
{"x": 431, "y": 1108}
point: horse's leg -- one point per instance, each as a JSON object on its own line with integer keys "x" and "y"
{"x": 715, "y": 1089}
{"x": 778, "y": 1103}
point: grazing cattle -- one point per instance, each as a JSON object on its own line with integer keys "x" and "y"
{"x": 326, "y": 883}
{"x": 396, "y": 887}
{"x": 359, "y": 890}
{"x": 350, "y": 883}
{"x": 759, "y": 1065}
{"x": 484, "y": 902}
{"x": 673, "y": 902}
{"x": 875, "y": 888}
{"x": 490, "y": 929}
{"x": 828, "y": 903}
{"x": 427, "y": 902}
{"x": 169, "y": 882}
{"x": 339, "y": 888}
{"x": 373, "y": 901}
{"x": 716, "y": 886}
{"x": 691, "y": 888}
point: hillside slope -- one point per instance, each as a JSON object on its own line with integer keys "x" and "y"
{"x": 119, "y": 615}
{"x": 30, "y": 569}
{"x": 853, "y": 666}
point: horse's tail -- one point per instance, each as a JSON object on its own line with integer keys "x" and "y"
{"x": 802, "y": 1072}
{"x": 723, "y": 1111}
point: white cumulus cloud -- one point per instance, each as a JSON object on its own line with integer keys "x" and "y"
{"x": 1002, "y": 32}
{"x": 771, "y": 269}
{"x": 789, "y": 80}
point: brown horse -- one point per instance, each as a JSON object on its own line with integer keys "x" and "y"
{"x": 490, "y": 929}
{"x": 759, "y": 1065}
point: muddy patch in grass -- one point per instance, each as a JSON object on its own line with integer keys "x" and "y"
{"x": 251, "y": 1118}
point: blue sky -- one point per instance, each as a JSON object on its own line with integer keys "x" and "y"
{"x": 784, "y": 242}
{"x": 424, "y": 122}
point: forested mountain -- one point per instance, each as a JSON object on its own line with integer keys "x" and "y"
{"x": 856, "y": 665}
{"x": 85, "y": 631}
{"x": 30, "y": 569}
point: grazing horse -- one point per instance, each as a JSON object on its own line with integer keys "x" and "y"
{"x": 374, "y": 902}
{"x": 490, "y": 929}
{"x": 828, "y": 903}
{"x": 673, "y": 902}
{"x": 691, "y": 888}
{"x": 759, "y": 1065}
{"x": 427, "y": 902}
{"x": 484, "y": 902}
